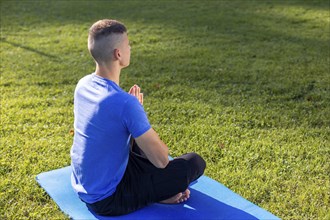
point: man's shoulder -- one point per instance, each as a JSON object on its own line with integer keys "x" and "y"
{"x": 86, "y": 77}
{"x": 84, "y": 80}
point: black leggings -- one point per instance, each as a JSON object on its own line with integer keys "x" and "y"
{"x": 143, "y": 183}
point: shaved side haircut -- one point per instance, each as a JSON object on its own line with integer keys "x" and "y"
{"x": 103, "y": 38}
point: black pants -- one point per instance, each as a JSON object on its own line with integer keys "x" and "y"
{"x": 143, "y": 183}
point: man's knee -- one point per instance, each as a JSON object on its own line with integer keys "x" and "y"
{"x": 196, "y": 165}
{"x": 199, "y": 165}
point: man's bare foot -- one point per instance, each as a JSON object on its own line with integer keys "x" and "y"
{"x": 178, "y": 198}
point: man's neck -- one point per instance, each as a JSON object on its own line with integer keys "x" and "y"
{"x": 108, "y": 72}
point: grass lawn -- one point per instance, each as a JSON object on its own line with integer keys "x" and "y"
{"x": 246, "y": 84}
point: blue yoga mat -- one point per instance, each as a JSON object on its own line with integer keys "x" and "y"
{"x": 209, "y": 200}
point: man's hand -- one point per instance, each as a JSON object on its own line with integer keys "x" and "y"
{"x": 136, "y": 91}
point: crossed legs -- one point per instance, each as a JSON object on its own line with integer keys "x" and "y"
{"x": 143, "y": 183}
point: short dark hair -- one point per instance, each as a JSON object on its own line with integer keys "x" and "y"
{"x": 105, "y": 27}
{"x": 98, "y": 44}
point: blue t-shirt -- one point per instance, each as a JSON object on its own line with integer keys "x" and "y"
{"x": 105, "y": 117}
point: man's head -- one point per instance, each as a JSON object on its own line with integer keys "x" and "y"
{"x": 108, "y": 41}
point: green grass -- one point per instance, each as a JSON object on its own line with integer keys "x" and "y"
{"x": 246, "y": 84}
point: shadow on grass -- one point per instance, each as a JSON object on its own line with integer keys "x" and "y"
{"x": 41, "y": 53}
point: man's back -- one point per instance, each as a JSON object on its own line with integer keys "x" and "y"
{"x": 105, "y": 116}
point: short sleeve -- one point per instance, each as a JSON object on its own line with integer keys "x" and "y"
{"x": 135, "y": 118}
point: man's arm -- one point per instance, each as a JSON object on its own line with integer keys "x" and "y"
{"x": 154, "y": 148}
{"x": 150, "y": 143}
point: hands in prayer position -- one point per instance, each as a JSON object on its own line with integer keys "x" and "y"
{"x": 136, "y": 91}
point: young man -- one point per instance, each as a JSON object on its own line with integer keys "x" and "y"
{"x": 119, "y": 164}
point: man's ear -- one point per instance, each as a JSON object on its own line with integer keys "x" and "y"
{"x": 116, "y": 54}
